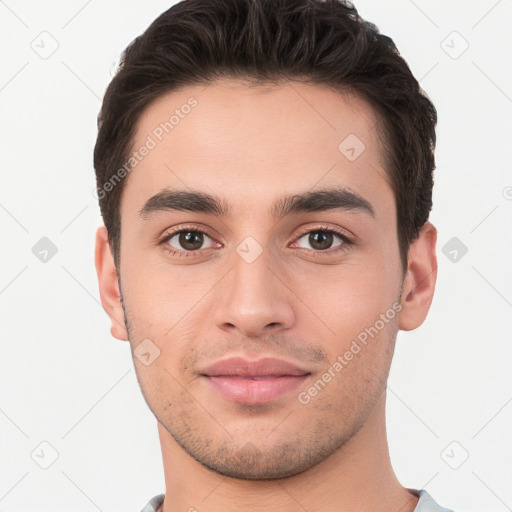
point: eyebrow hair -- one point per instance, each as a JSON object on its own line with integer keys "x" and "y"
{"x": 314, "y": 201}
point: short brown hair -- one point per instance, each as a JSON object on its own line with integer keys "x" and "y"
{"x": 268, "y": 41}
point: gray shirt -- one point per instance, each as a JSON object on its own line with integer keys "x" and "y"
{"x": 425, "y": 504}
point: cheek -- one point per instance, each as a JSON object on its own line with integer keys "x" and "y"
{"x": 345, "y": 299}
{"x": 163, "y": 388}
{"x": 360, "y": 310}
{"x": 159, "y": 297}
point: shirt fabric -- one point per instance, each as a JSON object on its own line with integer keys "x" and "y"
{"x": 425, "y": 504}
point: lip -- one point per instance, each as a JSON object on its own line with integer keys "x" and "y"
{"x": 244, "y": 381}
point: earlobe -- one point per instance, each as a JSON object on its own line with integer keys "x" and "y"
{"x": 109, "y": 285}
{"x": 420, "y": 280}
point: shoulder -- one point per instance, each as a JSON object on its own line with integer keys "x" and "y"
{"x": 426, "y": 503}
{"x": 153, "y": 504}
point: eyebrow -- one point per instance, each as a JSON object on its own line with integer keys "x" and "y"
{"x": 313, "y": 201}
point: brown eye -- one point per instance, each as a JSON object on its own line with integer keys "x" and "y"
{"x": 187, "y": 240}
{"x": 321, "y": 240}
{"x": 190, "y": 240}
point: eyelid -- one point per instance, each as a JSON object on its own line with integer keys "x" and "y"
{"x": 172, "y": 232}
{"x": 346, "y": 236}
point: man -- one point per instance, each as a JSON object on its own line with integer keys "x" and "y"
{"x": 264, "y": 170}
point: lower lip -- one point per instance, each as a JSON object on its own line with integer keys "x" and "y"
{"x": 255, "y": 391}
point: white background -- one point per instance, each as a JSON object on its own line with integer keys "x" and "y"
{"x": 65, "y": 381}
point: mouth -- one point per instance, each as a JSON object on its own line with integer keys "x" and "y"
{"x": 253, "y": 382}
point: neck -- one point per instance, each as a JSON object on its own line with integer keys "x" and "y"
{"x": 357, "y": 476}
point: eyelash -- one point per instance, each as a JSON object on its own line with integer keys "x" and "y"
{"x": 347, "y": 242}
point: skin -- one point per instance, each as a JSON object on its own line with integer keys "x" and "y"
{"x": 249, "y": 146}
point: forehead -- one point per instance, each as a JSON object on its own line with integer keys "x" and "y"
{"x": 247, "y": 141}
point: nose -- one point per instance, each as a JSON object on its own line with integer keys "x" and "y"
{"x": 253, "y": 300}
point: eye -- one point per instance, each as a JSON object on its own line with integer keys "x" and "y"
{"x": 189, "y": 241}
{"x": 324, "y": 238}
{"x": 185, "y": 242}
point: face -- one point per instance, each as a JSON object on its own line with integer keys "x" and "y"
{"x": 259, "y": 224}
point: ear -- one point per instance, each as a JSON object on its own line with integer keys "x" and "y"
{"x": 420, "y": 280}
{"x": 109, "y": 285}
